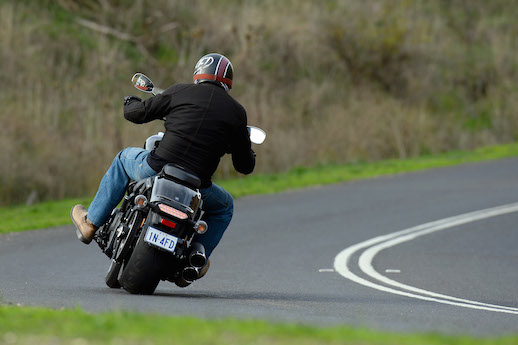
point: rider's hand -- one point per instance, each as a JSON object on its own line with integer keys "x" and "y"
{"x": 128, "y": 99}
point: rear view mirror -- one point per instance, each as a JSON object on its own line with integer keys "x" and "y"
{"x": 257, "y": 135}
{"x": 143, "y": 83}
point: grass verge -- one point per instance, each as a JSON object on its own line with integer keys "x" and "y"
{"x": 328, "y": 174}
{"x": 56, "y": 213}
{"x": 46, "y": 326}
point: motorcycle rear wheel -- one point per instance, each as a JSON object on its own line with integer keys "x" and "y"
{"x": 141, "y": 274}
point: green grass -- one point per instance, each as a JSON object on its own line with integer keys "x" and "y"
{"x": 327, "y": 174}
{"x": 46, "y": 326}
{"x": 56, "y": 213}
{"x": 38, "y": 216}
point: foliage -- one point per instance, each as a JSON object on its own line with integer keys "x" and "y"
{"x": 331, "y": 81}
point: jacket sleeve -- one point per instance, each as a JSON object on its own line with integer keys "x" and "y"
{"x": 243, "y": 157}
{"x": 153, "y": 108}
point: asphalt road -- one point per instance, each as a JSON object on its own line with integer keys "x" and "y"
{"x": 315, "y": 256}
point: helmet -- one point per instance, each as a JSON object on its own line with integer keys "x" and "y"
{"x": 214, "y": 68}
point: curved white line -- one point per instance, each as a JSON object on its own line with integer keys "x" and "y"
{"x": 377, "y": 244}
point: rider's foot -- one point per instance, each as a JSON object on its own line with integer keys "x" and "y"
{"x": 204, "y": 269}
{"x": 85, "y": 230}
{"x": 180, "y": 282}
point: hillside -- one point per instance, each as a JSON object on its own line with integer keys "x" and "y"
{"x": 330, "y": 81}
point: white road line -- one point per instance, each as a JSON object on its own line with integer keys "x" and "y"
{"x": 326, "y": 270}
{"x": 389, "y": 270}
{"x": 373, "y": 246}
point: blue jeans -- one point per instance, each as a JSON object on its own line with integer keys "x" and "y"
{"x": 219, "y": 208}
{"x": 131, "y": 164}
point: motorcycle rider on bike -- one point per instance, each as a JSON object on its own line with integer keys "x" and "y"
{"x": 202, "y": 123}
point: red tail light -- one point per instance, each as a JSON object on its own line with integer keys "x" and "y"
{"x": 168, "y": 223}
{"x": 172, "y": 211}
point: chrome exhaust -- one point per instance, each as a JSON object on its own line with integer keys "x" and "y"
{"x": 190, "y": 274}
{"x": 197, "y": 257}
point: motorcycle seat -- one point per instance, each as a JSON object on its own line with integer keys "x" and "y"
{"x": 179, "y": 174}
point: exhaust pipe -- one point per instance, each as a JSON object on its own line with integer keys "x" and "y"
{"x": 190, "y": 274}
{"x": 197, "y": 257}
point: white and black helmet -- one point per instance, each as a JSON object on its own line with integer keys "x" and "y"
{"x": 214, "y": 68}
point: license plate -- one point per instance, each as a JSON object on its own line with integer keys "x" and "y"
{"x": 161, "y": 239}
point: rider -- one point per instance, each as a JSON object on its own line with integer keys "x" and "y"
{"x": 202, "y": 123}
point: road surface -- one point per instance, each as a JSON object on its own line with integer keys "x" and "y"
{"x": 427, "y": 251}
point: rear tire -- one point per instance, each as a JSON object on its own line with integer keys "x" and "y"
{"x": 141, "y": 274}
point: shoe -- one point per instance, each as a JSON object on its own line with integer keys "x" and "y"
{"x": 204, "y": 269}
{"x": 85, "y": 230}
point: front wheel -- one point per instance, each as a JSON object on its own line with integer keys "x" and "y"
{"x": 141, "y": 274}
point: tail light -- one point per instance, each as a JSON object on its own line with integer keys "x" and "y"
{"x": 168, "y": 223}
{"x": 172, "y": 211}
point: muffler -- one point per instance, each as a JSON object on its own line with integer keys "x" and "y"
{"x": 190, "y": 274}
{"x": 197, "y": 257}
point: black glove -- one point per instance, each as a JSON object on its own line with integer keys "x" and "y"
{"x": 129, "y": 99}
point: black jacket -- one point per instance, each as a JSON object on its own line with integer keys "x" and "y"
{"x": 202, "y": 122}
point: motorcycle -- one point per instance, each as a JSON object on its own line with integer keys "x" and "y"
{"x": 151, "y": 236}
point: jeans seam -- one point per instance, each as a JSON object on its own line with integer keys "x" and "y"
{"x": 150, "y": 168}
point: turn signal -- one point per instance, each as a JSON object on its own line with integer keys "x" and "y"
{"x": 201, "y": 227}
{"x": 140, "y": 201}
